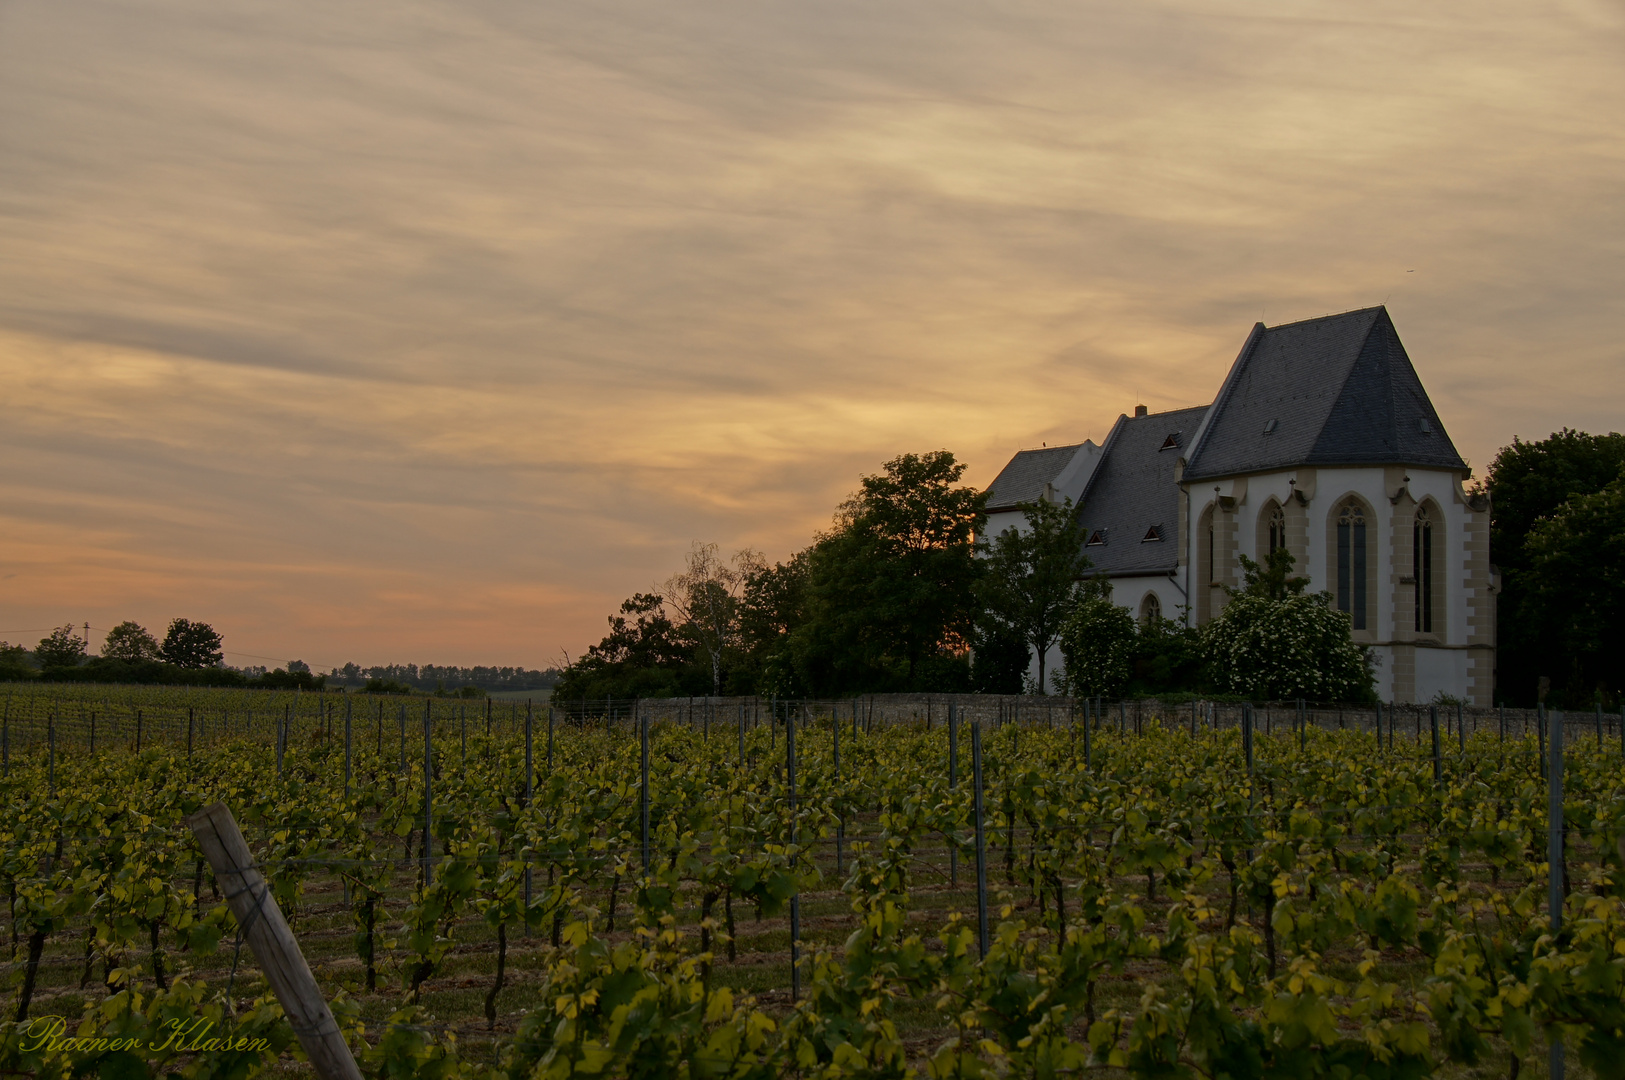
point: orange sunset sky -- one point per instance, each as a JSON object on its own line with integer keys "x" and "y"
{"x": 417, "y": 332}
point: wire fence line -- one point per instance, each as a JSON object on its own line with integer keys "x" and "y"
{"x": 34, "y": 717}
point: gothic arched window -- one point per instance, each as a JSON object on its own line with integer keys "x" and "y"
{"x": 1422, "y": 568}
{"x": 1277, "y": 529}
{"x": 1150, "y": 609}
{"x": 1351, "y": 562}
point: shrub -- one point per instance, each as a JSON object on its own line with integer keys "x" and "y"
{"x": 1098, "y": 641}
{"x": 1276, "y": 649}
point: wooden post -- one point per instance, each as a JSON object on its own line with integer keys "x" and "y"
{"x": 273, "y": 944}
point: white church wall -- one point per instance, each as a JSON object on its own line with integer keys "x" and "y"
{"x": 1326, "y": 489}
{"x": 1440, "y": 671}
{"x": 1382, "y": 670}
{"x": 1003, "y": 521}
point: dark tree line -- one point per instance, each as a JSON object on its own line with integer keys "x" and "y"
{"x": 1557, "y": 534}
{"x": 904, "y": 594}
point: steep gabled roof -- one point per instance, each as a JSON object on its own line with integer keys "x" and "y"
{"x": 1133, "y": 491}
{"x": 1338, "y": 390}
{"x": 1023, "y": 479}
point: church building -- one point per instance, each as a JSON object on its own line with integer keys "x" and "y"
{"x": 1322, "y": 441}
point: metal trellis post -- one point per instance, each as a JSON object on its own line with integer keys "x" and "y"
{"x": 1554, "y": 858}
{"x": 795, "y": 897}
{"x": 981, "y": 838}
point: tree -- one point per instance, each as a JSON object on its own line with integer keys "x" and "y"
{"x": 1097, "y": 642}
{"x": 1575, "y": 587}
{"x": 191, "y": 645}
{"x": 890, "y": 601}
{"x": 1032, "y": 577}
{"x": 130, "y": 642}
{"x": 704, "y": 597}
{"x": 14, "y": 662}
{"x": 999, "y": 658}
{"x": 61, "y": 649}
{"x": 772, "y": 604}
{"x": 1273, "y": 642}
{"x": 641, "y": 656}
{"x": 1528, "y": 483}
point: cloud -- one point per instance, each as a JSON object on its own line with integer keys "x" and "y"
{"x": 433, "y": 330}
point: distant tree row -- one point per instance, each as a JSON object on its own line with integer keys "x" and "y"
{"x": 189, "y": 652}
{"x": 903, "y": 594}
{"x": 431, "y": 677}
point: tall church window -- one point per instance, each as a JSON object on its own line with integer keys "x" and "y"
{"x": 1422, "y": 569}
{"x": 1150, "y": 609}
{"x": 1351, "y": 562}
{"x": 1277, "y": 530}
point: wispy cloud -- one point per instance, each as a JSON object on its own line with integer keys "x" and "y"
{"x": 415, "y": 329}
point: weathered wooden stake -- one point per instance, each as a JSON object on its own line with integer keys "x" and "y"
{"x": 266, "y": 931}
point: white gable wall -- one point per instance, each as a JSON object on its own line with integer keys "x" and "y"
{"x": 1407, "y": 666}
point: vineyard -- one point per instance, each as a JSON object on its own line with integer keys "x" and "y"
{"x": 1102, "y": 888}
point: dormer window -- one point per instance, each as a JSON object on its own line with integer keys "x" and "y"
{"x": 1427, "y": 426}
{"x": 1170, "y": 443}
{"x": 1096, "y": 538}
{"x": 1270, "y": 426}
{"x": 1152, "y": 534}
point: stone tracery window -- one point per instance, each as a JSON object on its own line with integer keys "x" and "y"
{"x": 1422, "y": 569}
{"x": 1277, "y": 529}
{"x": 1351, "y": 569}
{"x": 1150, "y": 609}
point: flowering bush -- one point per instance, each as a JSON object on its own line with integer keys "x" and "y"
{"x": 1276, "y": 648}
{"x": 1098, "y": 642}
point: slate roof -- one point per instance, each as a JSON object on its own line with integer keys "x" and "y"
{"x": 1338, "y": 390}
{"x": 1133, "y": 489}
{"x": 1023, "y": 479}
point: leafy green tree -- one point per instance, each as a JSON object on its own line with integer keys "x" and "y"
{"x": 999, "y": 658}
{"x": 14, "y": 663}
{"x": 1575, "y": 587}
{"x": 1529, "y": 483}
{"x": 1098, "y": 641}
{"x": 62, "y": 648}
{"x": 890, "y": 592}
{"x": 704, "y": 597}
{"x": 1272, "y": 642}
{"x": 1033, "y": 576}
{"x": 772, "y": 605}
{"x": 643, "y": 655}
{"x": 130, "y": 642}
{"x": 1167, "y": 658}
{"x": 191, "y": 645}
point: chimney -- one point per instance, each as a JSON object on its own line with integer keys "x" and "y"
{"x": 1139, "y": 410}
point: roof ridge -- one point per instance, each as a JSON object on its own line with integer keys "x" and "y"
{"x": 1330, "y": 315}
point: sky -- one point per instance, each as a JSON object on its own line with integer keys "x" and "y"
{"x": 418, "y": 332}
